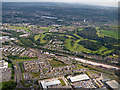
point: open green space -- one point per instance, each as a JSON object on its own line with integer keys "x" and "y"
{"x": 72, "y": 44}
{"x": 62, "y": 82}
{"x": 8, "y": 85}
{"x": 9, "y": 65}
{"x": 45, "y": 69}
{"x": 79, "y": 66}
{"x": 21, "y": 67}
{"x": 36, "y": 37}
{"x": 113, "y": 34}
{"x": 86, "y": 40}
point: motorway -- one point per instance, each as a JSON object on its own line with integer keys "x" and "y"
{"x": 88, "y": 61}
{"x": 96, "y": 64}
{"x": 91, "y": 62}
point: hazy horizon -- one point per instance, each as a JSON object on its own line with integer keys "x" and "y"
{"x": 89, "y": 2}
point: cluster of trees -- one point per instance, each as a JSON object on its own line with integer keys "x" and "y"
{"x": 6, "y": 43}
{"x": 18, "y": 57}
{"x": 89, "y": 33}
{"x": 8, "y": 85}
{"x": 21, "y": 67}
{"x": 55, "y": 36}
{"x": 27, "y": 41}
{"x": 90, "y": 45}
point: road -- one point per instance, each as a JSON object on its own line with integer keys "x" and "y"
{"x": 96, "y": 64}
{"x": 89, "y": 62}
{"x": 18, "y": 75}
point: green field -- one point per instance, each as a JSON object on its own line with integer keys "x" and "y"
{"x": 113, "y": 34}
{"x": 21, "y": 67}
{"x": 8, "y": 85}
{"x": 62, "y": 82}
{"x": 100, "y": 34}
{"x": 76, "y": 47}
{"x": 45, "y": 69}
{"x": 79, "y": 66}
{"x": 80, "y": 48}
{"x": 9, "y": 65}
{"x": 37, "y": 37}
{"x": 71, "y": 40}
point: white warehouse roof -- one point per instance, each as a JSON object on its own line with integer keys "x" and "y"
{"x": 113, "y": 84}
{"x": 79, "y": 78}
{"x": 3, "y": 64}
{"x": 45, "y": 84}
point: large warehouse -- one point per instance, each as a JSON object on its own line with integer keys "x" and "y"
{"x": 50, "y": 83}
{"x": 79, "y": 78}
{"x": 113, "y": 84}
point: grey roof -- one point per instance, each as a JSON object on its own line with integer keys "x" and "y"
{"x": 113, "y": 84}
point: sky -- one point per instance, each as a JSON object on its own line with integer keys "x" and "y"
{"x": 113, "y": 3}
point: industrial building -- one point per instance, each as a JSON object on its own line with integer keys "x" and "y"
{"x": 113, "y": 84}
{"x": 3, "y": 64}
{"x": 50, "y": 83}
{"x": 79, "y": 78}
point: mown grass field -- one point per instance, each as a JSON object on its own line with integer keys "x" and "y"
{"x": 21, "y": 67}
{"x": 80, "y": 48}
{"x": 37, "y": 37}
{"x": 77, "y": 47}
{"x": 113, "y": 34}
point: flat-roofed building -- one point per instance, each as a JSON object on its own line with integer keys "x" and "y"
{"x": 3, "y": 64}
{"x": 113, "y": 84}
{"x": 50, "y": 83}
{"x": 79, "y": 78}
{"x": 24, "y": 35}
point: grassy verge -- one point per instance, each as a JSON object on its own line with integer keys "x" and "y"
{"x": 45, "y": 69}
{"x": 21, "y": 67}
{"x": 62, "y": 82}
{"x": 79, "y": 66}
{"x": 26, "y": 59}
